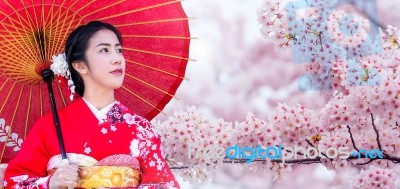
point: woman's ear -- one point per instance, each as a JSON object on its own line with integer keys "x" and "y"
{"x": 80, "y": 67}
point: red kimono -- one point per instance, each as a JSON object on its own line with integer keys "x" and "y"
{"x": 120, "y": 132}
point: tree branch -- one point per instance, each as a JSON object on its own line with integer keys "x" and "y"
{"x": 317, "y": 159}
{"x": 376, "y": 131}
{"x": 377, "y": 135}
{"x": 352, "y": 139}
{"x": 315, "y": 147}
{"x": 299, "y": 161}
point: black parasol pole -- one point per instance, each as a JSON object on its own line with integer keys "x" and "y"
{"x": 48, "y": 76}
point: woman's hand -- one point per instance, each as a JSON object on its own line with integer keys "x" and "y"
{"x": 66, "y": 176}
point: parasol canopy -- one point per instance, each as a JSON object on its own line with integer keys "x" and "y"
{"x": 155, "y": 42}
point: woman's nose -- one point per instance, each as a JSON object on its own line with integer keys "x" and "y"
{"x": 117, "y": 59}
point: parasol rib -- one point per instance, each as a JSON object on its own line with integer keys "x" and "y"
{"x": 34, "y": 13}
{"x": 70, "y": 18}
{"x": 12, "y": 121}
{"x": 41, "y": 98}
{"x": 53, "y": 30}
{"x": 24, "y": 80}
{"x": 21, "y": 19}
{"x": 8, "y": 51}
{"x": 9, "y": 38}
{"x": 61, "y": 26}
{"x": 15, "y": 67}
{"x": 2, "y": 86}
{"x": 61, "y": 94}
{"x": 136, "y": 10}
{"x": 7, "y": 55}
{"x": 28, "y": 111}
{"x": 14, "y": 47}
{"x": 6, "y": 25}
{"x": 158, "y": 54}
{"x": 152, "y": 22}
{"x": 157, "y": 37}
{"x": 13, "y": 58}
{"x": 100, "y": 9}
{"x": 31, "y": 21}
{"x": 19, "y": 78}
{"x": 40, "y": 34}
{"x": 156, "y": 69}
{"x": 73, "y": 18}
{"x": 8, "y": 96}
{"x": 17, "y": 106}
{"x": 141, "y": 98}
{"x": 151, "y": 86}
{"x": 12, "y": 19}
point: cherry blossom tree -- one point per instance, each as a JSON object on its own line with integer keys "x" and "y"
{"x": 359, "y": 110}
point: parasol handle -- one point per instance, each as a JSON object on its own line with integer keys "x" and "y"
{"x": 48, "y": 76}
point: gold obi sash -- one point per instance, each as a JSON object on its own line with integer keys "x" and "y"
{"x": 112, "y": 172}
{"x": 108, "y": 176}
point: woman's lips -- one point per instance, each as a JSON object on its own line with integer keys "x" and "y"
{"x": 117, "y": 72}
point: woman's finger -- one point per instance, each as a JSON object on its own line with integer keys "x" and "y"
{"x": 70, "y": 184}
{"x": 68, "y": 177}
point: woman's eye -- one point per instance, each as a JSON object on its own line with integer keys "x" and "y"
{"x": 119, "y": 50}
{"x": 104, "y": 50}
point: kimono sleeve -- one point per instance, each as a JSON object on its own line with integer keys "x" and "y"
{"x": 155, "y": 170}
{"x": 28, "y": 169}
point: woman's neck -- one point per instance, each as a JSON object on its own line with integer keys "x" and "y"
{"x": 99, "y": 98}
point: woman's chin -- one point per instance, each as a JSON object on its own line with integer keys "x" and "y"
{"x": 117, "y": 85}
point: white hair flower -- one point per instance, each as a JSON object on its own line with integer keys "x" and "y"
{"x": 60, "y": 67}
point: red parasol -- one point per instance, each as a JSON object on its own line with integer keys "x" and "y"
{"x": 156, "y": 46}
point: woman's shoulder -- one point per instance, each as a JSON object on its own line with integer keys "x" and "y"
{"x": 131, "y": 118}
{"x": 143, "y": 127}
{"x": 74, "y": 107}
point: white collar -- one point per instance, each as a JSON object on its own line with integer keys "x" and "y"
{"x": 100, "y": 114}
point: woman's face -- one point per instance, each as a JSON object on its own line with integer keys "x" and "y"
{"x": 106, "y": 64}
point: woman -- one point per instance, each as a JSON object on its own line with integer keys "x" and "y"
{"x": 107, "y": 145}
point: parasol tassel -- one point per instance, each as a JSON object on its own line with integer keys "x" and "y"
{"x": 48, "y": 76}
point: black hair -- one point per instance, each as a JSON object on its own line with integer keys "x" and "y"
{"x": 77, "y": 44}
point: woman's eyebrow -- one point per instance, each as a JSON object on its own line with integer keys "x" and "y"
{"x": 108, "y": 44}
